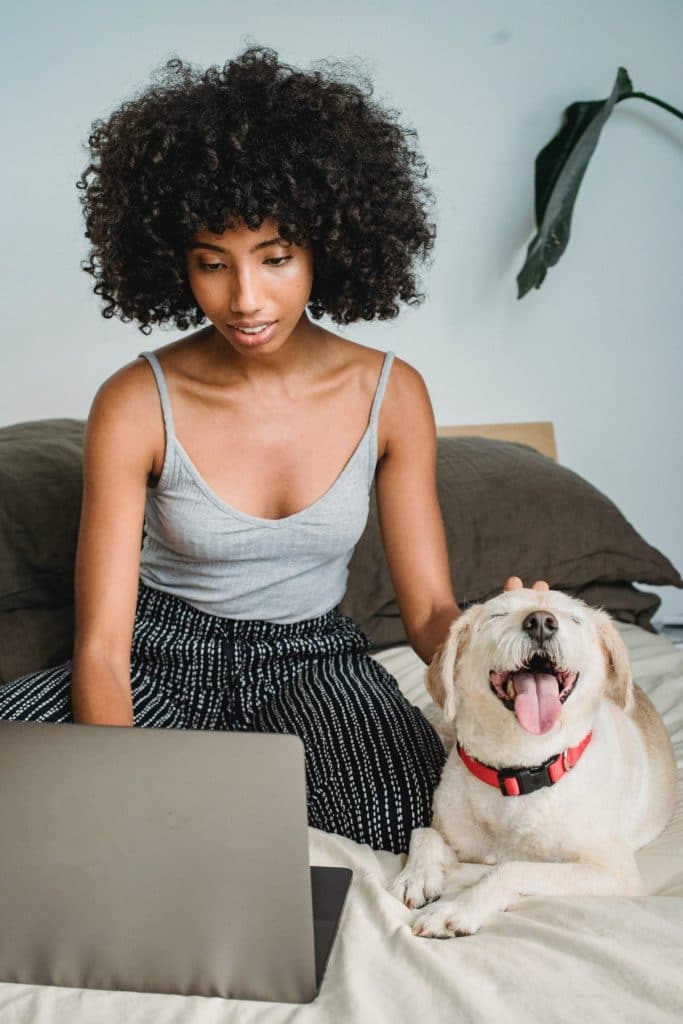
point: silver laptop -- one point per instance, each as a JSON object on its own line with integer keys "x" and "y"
{"x": 161, "y": 860}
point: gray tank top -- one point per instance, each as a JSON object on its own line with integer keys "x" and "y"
{"x": 239, "y": 566}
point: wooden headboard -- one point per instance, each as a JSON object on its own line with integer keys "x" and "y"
{"x": 540, "y": 436}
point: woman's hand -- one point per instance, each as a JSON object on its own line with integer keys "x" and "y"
{"x": 514, "y": 583}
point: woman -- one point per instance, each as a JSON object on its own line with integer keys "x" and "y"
{"x": 245, "y": 196}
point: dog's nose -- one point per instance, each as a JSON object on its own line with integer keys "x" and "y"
{"x": 540, "y": 625}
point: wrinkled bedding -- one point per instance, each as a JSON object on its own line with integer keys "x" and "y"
{"x": 549, "y": 959}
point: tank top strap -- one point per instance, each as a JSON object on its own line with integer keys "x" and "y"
{"x": 381, "y": 387}
{"x": 164, "y": 397}
{"x": 374, "y": 415}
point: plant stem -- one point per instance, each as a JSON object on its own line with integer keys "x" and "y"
{"x": 652, "y": 99}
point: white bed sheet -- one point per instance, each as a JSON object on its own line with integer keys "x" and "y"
{"x": 551, "y": 959}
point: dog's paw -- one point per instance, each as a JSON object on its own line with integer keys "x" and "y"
{"x": 451, "y": 918}
{"x": 415, "y": 888}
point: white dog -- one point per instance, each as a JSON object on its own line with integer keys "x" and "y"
{"x": 561, "y": 768}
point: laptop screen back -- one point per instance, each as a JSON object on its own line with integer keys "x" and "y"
{"x": 155, "y": 860}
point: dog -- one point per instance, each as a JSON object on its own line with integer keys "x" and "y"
{"x": 561, "y": 766}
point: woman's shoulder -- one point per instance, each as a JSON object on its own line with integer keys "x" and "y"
{"x": 130, "y": 389}
{"x": 134, "y": 384}
{"x": 406, "y": 406}
{"x": 404, "y": 384}
{"x": 179, "y": 356}
{"x": 126, "y": 409}
{"x": 352, "y": 354}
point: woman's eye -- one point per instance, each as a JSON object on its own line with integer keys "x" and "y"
{"x": 273, "y": 261}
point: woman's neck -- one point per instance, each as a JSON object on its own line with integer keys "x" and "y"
{"x": 304, "y": 355}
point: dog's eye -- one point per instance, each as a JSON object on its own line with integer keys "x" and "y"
{"x": 496, "y": 615}
{"x": 577, "y": 620}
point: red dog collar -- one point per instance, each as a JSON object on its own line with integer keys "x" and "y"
{"x": 520, "y": 781}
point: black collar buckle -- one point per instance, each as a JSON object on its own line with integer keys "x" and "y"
{"x": 529, "y": 780}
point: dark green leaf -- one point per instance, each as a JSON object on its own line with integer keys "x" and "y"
{"x": 560, "y": 167}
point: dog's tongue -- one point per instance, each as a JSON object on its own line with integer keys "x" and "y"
{"x": 537, "y": 704}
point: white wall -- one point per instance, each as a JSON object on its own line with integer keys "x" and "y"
{"x": 597, "y": 349}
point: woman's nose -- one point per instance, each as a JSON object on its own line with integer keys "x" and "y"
{"x": 245, "y": 296}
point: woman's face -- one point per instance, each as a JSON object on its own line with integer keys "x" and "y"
{"x": 252, "y": 285}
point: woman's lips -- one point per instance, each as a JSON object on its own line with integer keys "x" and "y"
{"x": 252, "y": 340}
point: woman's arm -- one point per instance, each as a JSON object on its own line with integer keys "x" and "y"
{"x": 410, "y": 517}
{"x": 117, "y": 459}
{"x": 409, "y": 513}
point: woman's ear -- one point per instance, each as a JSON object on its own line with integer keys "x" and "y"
{"x": 440, "y": 674}
{"x": 619, "y": 677}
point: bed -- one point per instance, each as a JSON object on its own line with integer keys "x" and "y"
{"x": 552, "y": 959}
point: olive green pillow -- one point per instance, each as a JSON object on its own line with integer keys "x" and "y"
{"x": 40, "y": 504}
{"x": 508, "y": 510}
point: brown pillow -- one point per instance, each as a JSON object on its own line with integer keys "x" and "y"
{"x": 33, "y": 639}
{"x": 509, "y": 510}
{"x": 40, "y": 504}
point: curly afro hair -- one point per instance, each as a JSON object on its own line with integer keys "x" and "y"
{"x": 253, "y": 140}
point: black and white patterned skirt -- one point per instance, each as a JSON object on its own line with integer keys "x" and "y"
{"x": 372, "y": 759}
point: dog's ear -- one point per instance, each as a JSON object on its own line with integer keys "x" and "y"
{"x": 442, "y": 666}
{"x": 619, "y": 677}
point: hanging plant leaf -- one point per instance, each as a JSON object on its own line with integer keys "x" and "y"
{"x": 560, "y": 167}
